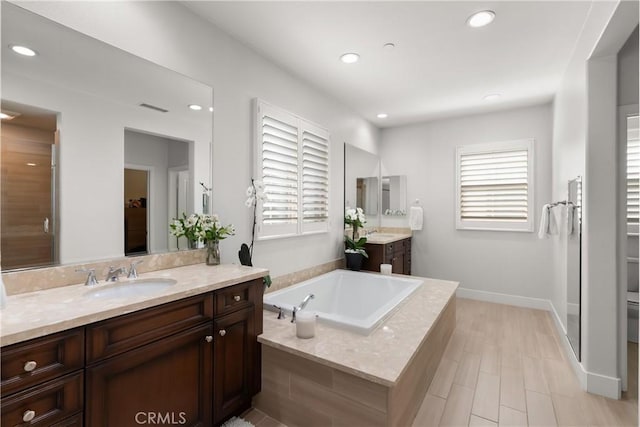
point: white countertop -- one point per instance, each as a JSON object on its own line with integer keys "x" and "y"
{"x": 381, "y": 356}
{"x": 384, "y": 238}
{"x": 35, "y": 314}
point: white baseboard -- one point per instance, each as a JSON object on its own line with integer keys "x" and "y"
{"x": 593, "y": 383}
{"x": 518, "y": 301}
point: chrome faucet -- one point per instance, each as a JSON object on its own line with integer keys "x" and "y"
{"x": 302, "y": 305}
{"x": 133, "y": 272}
{"x": 91, "y": 277}
{"x": 114, "y": 273}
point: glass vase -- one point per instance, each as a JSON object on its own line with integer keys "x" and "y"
{"x": 213, "y": 252}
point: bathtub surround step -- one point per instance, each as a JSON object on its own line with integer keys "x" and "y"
{"x": 342, "y": 378}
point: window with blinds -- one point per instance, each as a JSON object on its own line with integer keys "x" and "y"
{"x": 292, "y": 160}
{"x": 633, "y": 171}
{"x": 495, "y": 186}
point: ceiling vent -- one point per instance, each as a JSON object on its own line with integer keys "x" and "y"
{"x": 153, "y": 107}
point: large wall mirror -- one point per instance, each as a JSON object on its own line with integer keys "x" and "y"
{"x": 100, "y": 148}
{"x": 361, "y": 182}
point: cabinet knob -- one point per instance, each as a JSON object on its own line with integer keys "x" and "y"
{"x": 208, "y": 338}
{"x": 30, "y": 366}
{"x": 222, "y": 332}
{"x": 236, "y": 298}
{"x": 28, "y": 415}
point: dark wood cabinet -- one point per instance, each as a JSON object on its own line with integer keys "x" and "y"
{"x": 192, "y": 362}
{"x": 397, "y": 253}
{"x": 167, "y": 380}
{"x": 234, "y": 359}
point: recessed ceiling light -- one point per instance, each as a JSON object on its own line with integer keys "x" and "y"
{"x": 389, "y": 46}
{"x": 349, "y": 58}
{"x": 23, "y": 50}
{"x": 491, "y": 97}
{"x": 195, "y": 107}
{"x": 480, "y": 19}
{"x": 31, "y": 164}
{"x": 382, "y": 115}
{"x": 211, "y": 109}
{"x": 5, "y": 116}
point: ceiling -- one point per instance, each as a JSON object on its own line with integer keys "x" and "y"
{"x": 440, "y": 67}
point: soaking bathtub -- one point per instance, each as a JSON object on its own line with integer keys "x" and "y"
{"x": 346, "y": 299}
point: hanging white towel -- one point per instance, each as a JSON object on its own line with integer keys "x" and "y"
{"x": 558, "y": 220}
{"x": 544, "y": 222}
{"x": 570, "y": 219}
{"x": 415, "y": 217}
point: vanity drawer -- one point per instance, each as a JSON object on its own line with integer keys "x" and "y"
{"x": 234, "y": 298}
{"x": 41, "y": 359}
{"x": 115, "y": 336}
{"x": 46, "y": 404}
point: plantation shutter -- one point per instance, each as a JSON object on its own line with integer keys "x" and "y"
{"x": 293, "y": 164}
{"x": 633, "y": 171}
{"x": 278, "y": 151}
{"x": 315, "y": 178}
{"x": 494, "y": 187}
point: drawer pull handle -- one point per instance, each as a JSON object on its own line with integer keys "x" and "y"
{"x": 236, "y": 298}
{"x": 30, "y": 366}
{"x": 28, "y": 415}
{"x": 208, "y": 338}
{"x": 222, "y": 332}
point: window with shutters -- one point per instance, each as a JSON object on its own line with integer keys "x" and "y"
{"x": 292, "y": 161}
{"x": 633, "y": 174}
{"x": 495, "y": 186}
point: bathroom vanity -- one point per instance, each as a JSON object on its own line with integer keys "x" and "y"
{"x": 394, "y": 249}
{"x": 194, "y": 360}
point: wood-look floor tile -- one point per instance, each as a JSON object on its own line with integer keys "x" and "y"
{"x": 511, "y": 418}
{"x": 560, "y": 378}
{"x": 476, "y": 421}
{"x": 442, "y": 380}
{"x": 486, "y": 401}
{"x": 512, "y": 388}
{"x": 569, "y": 411}
{"x": 490, "y": 361}
{"x": 549, "y": 347}
{"x": 430, "y": 411}
{"x": 457, "y": 410}
{"x": 540, "y": 410}
{"x": 468, "y": 368}
{"x": 534, "y": 379}
{"x": 455, "y": 348}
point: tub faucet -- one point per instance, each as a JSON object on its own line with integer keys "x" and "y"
{"x": 302, "y": 305}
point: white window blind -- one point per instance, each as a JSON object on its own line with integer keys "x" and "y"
{"x": 494, "y": 186}
{"x": 633, "y": 170}
{"x": 315, "y": 177}
{"x": 293, "y": 162}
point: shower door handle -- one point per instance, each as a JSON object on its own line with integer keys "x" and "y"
{"x": 46, "y": 225}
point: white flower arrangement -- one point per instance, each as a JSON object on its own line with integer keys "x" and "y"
{"x": 200, "y": 227}
{"x": 255, "y": 193}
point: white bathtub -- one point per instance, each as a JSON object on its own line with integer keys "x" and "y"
{"x": 347, "y": 299}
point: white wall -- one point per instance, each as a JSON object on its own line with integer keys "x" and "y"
{"x": 172, "y": 36}
{"x": 582, "y": 145}
{"x": 503, "y": 262}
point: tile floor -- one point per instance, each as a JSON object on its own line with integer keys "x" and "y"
{"x": 504, "y": 367}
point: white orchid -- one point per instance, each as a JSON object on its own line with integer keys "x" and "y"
{"x": 255, "y": 193}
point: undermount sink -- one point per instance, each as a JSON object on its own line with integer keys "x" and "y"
{"x": 132, "y": 288}
{"x": 382, "y": 235}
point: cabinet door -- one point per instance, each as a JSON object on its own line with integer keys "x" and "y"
{"x": 397, "y": 263}
{"x": 235, "y": 348}
{"x": 165, "y": 382}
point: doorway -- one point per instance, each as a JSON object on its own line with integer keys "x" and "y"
{"x": 136, "y": 218}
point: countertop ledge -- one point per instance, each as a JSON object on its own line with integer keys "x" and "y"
{"x": 35, "y": 314}
{"x": 389, "y": 238}
{"x": 381, "y": 356}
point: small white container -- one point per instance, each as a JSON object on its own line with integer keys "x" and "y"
{"x": 305, "y": 324}
{"x": 385, "y": 268}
